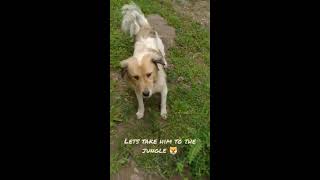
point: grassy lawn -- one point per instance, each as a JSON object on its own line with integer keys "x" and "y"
{"x": 188, "y": 98}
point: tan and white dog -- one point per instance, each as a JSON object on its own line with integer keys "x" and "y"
{"x": 145, "y": 69}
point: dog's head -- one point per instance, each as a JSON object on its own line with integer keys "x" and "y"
{"x": 142, "y": 75}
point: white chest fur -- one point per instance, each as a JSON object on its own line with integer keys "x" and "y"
{"x": 161, "y": 82}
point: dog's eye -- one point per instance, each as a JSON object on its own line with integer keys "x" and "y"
{"x": 136, "y": 77}
{"x": 149, "y": 74}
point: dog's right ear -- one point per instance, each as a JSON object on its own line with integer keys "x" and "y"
{"x": 124, "y": 67}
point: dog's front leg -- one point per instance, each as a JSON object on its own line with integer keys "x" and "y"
{"x": 140, "y": 112}
{"x": 164, "y": 93}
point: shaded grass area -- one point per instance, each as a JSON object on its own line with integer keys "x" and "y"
{"x": 188, "y": 99}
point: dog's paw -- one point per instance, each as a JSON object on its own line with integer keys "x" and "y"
{"x": 163, "y": 115}
{"x": 139, "y": 115}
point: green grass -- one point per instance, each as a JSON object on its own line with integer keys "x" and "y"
{"x": 188, "y": 101}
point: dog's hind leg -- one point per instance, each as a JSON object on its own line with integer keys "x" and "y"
{"x": 163, "y": 110}
{"x": 140, "y": 112}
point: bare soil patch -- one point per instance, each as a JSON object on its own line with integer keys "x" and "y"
{"x": 198, "y": 10}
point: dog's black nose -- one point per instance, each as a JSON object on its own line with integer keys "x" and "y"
{"x": 145, "y": 92}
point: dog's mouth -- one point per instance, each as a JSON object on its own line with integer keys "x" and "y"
{"x": 146, "y": 94}
{"x": 146, "y": 97}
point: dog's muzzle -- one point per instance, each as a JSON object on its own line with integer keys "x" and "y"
{"x": 146, "y": 93}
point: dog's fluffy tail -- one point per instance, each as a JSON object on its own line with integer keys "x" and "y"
{"x": 133, "y": 19}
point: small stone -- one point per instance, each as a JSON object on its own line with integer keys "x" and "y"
{"x": 136, "y": 170}
{"x": 135, "y": 177}
{"x": 181, "y": 1}
{"x": 180, "y": 78}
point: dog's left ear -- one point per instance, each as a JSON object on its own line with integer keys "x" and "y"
{"x": 124, "y": 67}
{"x": 124, "y": 72}
{"x": 157, "y": 58}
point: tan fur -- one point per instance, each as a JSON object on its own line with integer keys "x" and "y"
{"x": 141, "y": 71}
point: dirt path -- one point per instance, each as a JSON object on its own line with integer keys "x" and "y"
{"x": 198, "y": 10}
{"x": 132, "y": 172}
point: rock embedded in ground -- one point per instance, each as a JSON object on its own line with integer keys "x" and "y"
{"x": 167, "y": 33}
